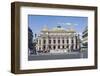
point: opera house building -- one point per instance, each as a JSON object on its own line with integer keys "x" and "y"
{"x": 57, "y": 40}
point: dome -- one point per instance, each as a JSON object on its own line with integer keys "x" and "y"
{"x": 58, "y": 28}
{"x": 45, "y": 28}
{"x": 71, "y": 30}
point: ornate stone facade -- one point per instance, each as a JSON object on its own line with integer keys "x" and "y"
{"x": 58, "y": 39}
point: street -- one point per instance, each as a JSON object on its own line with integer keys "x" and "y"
{"x": 71, "y": 55}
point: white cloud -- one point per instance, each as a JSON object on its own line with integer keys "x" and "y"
{"x": 68, "y": 23}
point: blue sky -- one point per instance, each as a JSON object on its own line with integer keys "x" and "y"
{"x": 37, "y": 22}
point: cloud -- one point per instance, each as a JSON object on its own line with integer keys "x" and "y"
{"x": 68, "y": 23}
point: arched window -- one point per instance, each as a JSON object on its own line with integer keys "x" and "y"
{"x": 44, "y": 41}
{"x": 72, "y": 41}
{"x": 49, "y": 41}
{"x": 67, "y": 41}
{"x": 54, "y": 41}
{"x": 54, "y": 47}
{"x": 63, "y": 46}
{"x": 44, "y": 47}
{"x": 59, "y": 41}
{"x": 63, "y": 41}
{"x": 49, "y": 47}
{"x": 58, "y": 46}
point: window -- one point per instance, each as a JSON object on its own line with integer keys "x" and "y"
{"x": 49, "y": 41}
{"x": 67, "y": 46}
{"x": 85, "y": 35}
{"x": 63, "y": 46}
{"x": 44, "y": 41}
{"x": 54, "y": 41}
{"x": 72, "y": 40}
{"x": 54, "y": 47}
{"x": 71, "y": 46}
{"x": 76, "y": 47}
{"x": 58, "y": 46}
{"x": 44, "y": 47}
{"x": 63, "y": 41}
{"x": 49, "y": 47}
{"x": 58, "y": 41}
{"x": 67, "y": 41}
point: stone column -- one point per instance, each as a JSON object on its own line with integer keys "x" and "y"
{"x": 41, "y": 43}
{"x": 69, "y": 44}
{"x": 74, "y": 43}
{"x": 47, "y": 43}
{"x": 65, "y": 43}
{"x": 52, "y": 43}
{"x": 60, "y": 42}
{"x": 78, "y": 42}
{"x": 56, "y": 43}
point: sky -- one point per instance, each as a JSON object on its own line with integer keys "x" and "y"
{"x": 37, "y": 22}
